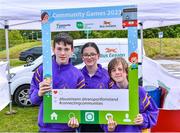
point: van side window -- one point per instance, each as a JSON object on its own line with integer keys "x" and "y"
{"x": 76, "y": 57}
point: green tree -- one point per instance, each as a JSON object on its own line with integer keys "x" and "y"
{"x": 172, "y": 31}
{"x": 109, "y": 34}
{"x": 14, "y": 38}
{"x": 2, "y": 39}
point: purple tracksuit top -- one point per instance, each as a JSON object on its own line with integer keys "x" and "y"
{"x": 147, "y": 107}
{"x": 98, "y": 81}
{"x": 64, "y": 76}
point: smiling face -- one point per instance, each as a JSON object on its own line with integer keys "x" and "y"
{"x": 90, "y": 56}
{"x": 62, "y": 52}
{"x": 118, "y": 74}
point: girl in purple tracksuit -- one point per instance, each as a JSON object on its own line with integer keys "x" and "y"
{"x": 148, "y": 111}
{"x": 96, "y": 77}
{"x": 65, "y": 75}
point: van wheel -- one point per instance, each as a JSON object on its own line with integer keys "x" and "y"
{"x": 21, "y": 96}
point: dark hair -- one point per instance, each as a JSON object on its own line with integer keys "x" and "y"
{"x": 90, "y": 44}
{"x": 63, "y": 37}
{"x": 43, "y": 14}
{"x": 114, "y": 62}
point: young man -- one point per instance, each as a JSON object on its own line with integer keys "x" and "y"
{"x": 148, "y": 111}
{"x": 65, "y": 75}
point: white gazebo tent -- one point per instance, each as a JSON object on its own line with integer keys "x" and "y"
{"x": 25, "y": 15}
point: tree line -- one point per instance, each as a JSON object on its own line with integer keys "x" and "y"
{"x": 21, "y": 36}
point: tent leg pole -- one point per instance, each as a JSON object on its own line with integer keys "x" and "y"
{"x": 142, "y": 47}
{"x": 8, "y": 69}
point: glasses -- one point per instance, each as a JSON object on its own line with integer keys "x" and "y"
{"x": 91, "y": 55}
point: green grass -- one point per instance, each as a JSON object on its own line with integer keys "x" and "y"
{"x": 16, "y": 62}
{"x": 25, "y": 120}
{"x": 15, "y": 51}
{"x": 170, "y": 48}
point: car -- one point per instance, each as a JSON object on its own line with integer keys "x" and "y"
{"x": 31, "y": 54}
{"x": 20, "y": 77}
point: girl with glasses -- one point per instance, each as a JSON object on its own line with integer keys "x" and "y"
{"x": 96, "y": 77}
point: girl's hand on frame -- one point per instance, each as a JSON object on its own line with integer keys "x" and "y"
{"x": 73, "y": 122}
{"x": 111, "y": 124}
{"x": 139, "y": 119}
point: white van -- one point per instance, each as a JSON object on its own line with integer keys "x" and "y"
{"x": 109, "y": 48}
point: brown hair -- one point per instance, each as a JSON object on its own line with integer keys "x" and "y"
{"x": 90, "y": 44}
{"x": 43, "y": 15}
{"x": 63, "y": 37}
{"x": 114, "y": 62}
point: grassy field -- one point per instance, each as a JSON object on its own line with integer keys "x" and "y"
{"x": 16, "y": 62}
{"x": 25, "y": 120}
{"x": 14, "y": 51}
{"x": 170, "y": 48}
